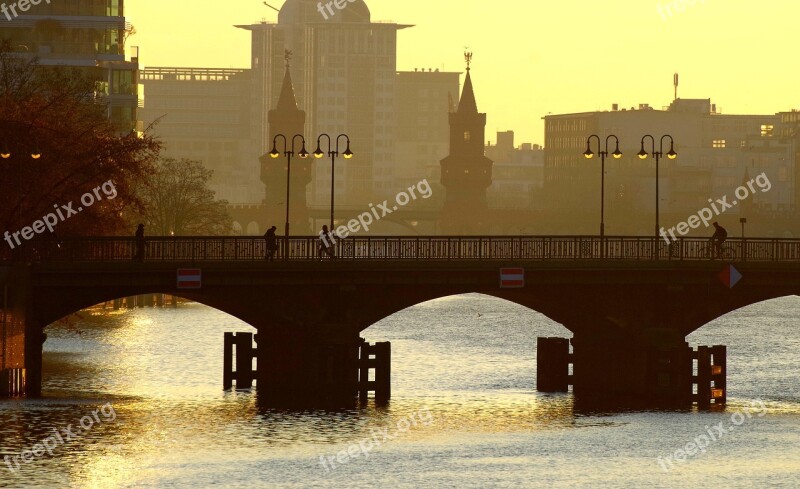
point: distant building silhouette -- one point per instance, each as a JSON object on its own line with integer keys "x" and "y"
{"x": 790, "y": 130}
{"x": 287, "y": 119}
{"x": 517, "y": 174}
{"x": 422, "y": 131}
{"x": 204, "y": 114}
{"x": 714, "y": 151}
{"x": 466, "y": 172}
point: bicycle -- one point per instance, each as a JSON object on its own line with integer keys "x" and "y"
{"x": 710, "y": 251}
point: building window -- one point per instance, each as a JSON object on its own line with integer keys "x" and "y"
{"x": 467, "y": 136}
{"x": 766, "y": 130}
{"x": 718, "y": 143}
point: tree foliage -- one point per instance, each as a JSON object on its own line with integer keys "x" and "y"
{"x": 57, "y": 112}
{"x": 177, "y": 200}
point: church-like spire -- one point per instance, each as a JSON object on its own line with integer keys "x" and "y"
{"x": 287, "y": 100}
{"x": 467, "y": 103}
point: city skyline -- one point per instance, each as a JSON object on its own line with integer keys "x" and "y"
{"x": 559, "y": 69}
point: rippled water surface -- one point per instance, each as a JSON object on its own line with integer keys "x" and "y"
{"x": 464, "y": 411}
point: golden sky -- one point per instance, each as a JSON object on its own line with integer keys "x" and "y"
{"x": 534, "y": 57}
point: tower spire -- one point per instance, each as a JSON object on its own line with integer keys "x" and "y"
{"x": 467, "y": 103}
{"x": 287, "y": 100}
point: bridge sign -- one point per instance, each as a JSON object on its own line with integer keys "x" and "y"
{"x": 512, "y": 278}
{"x": 189, "y": 278}
{"x": 730, "y": 276}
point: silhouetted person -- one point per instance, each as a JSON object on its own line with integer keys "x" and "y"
{"x": 140, "y": 244}
{"x": 272, "y": 243}
{"x": 325, "y": 243}
{"x": 718, "y": 239}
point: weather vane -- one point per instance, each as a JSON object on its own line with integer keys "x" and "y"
{"x": 468, "y": 58}
{"x": 287, "y": 56}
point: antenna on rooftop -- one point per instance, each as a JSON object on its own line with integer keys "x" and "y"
{"x": 675, "y": 82}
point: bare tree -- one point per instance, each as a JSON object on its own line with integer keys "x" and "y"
{"x": 177, "y": 201}
{"x": 57, "y": 143}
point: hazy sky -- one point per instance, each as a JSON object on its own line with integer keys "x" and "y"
{"x": 535, "y": 57}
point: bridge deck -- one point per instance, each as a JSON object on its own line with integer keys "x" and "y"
{"x": 416, "y": 248}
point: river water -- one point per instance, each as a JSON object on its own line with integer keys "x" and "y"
{"x": 136, "y": 399}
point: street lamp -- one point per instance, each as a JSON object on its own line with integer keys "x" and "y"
{"x": 333, "y": 154}
{"x": 5, "y": 153}
{"x": 657, "y": 155}
{"x": 589, "y": 154}
{"x": 288, "y": 152}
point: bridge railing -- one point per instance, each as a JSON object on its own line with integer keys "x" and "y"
{"x": 415, "y": 248}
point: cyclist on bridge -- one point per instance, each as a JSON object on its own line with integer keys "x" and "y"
{"x": 718, "y": 239}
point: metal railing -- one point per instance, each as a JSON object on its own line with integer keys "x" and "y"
{"x": 417, "y": 248}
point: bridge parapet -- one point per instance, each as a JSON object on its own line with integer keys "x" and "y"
{"x": 417, "y": 248}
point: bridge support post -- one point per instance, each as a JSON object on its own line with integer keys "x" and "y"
{"x": 21, "y": 337}
{"x": 653, "y": 369}
{"x": 711, "y": 376}
{"x": 34, "y": 340}
{"x": 379, "y": 358}
{"x": 552, "y": 364}
{"x": 315, "y": 368}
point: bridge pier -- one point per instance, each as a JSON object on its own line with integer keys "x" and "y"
{"x": 21, "y": 337}
{"x": 315, "y": 368}
{"x": 650, "y": 369}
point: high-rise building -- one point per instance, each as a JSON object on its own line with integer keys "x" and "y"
{"x": 422, "y": 101}
{"x": 344, "y": 70}
{"x": 89, "y": 36}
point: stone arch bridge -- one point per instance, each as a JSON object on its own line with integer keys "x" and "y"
{"x": 624, "y": 298}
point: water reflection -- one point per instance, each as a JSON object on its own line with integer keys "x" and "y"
{"x": 161, "y": 371}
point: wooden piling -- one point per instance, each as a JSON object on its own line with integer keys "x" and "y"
{"x": 719, "y": 373}
{"x": 244, "y": 360}
{"x": 227, "y": 362}
{"x": 383, "y": 372}
{"x": 703, "y": 378}
{"x": 12, "y": 382}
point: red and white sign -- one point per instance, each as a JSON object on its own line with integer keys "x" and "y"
{"x": 189, "y": 278}
{"x": 512, "y": 278}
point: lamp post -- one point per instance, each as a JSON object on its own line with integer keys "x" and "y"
{"x": 288, "y": 151}
{"x": 657, "y": 155}
{"x": 9, "y": 156}
{"x": 333, "y": 154}
{"x": 589, "y": 154}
